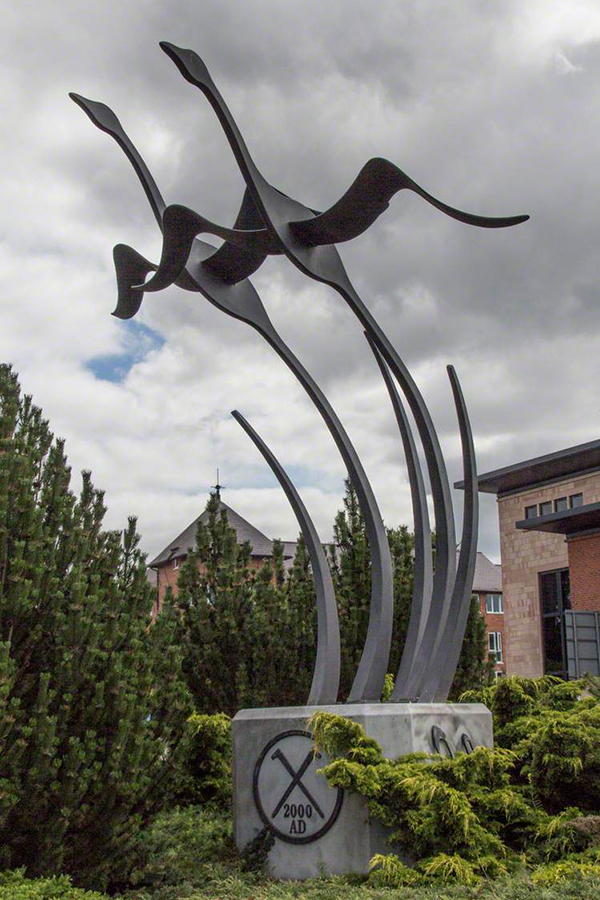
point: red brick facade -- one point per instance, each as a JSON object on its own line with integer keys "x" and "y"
{"x": 487, "y": 585}
{"x": 167, "y": 575}
{"x": 494, "y": 624}
{"x": 527, "y": 554}
{"x": 584, "y": 567}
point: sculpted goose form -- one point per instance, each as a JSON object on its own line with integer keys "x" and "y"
{"x": 202, "y": 273}
{"x": 269, "y": 222}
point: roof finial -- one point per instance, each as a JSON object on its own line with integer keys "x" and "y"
{"x": 218, "y": 487}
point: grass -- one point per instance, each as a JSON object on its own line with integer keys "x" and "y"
{"x": 188, "y": 854}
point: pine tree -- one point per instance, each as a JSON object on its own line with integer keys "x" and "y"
{"x": 252, "y": 625}
{"x": 350, "y": 561}
{"x": 475, "y": 666}
{"x": 351, "y": 567}
{"x": 93, "y": 701}
{"x": 215, "y": 586}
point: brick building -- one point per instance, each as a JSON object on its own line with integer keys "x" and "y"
{"x": 487, "y": 587}
{"x": 164, "y": 571}
{"x": 166, "y": 564}
{"x": 549, "y": 515}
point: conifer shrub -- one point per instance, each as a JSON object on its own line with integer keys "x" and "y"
{"x": 484, "y": 814}
{"x": 259, "y": 625}
{"x": 206, "y": 761}
{"x": 566, "y": 870}
{"x": 249, "y": 635}
{"x": 15, "y": 886}
{"x": 181, "y": 849}
{"x": 92, "y": 700}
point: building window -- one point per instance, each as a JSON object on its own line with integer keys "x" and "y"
{"x": 546, "y": 508}
{"x": 495, "y": 645}
{"x": 555, "y": 597}
{"x": 175, "y": 562}
{"x": 493, "y": 603}
{"x": 531, "y": 512}
{"x": 575, "y": 500}
{"x": 560, "y": 504}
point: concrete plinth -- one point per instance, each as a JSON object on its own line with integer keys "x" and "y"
{"x": 320, "y": 830}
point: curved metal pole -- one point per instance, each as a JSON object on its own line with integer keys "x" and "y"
{"x": 372, "y": 668}
{"x": 423, "y": 562}
{"x": 324, "y": 264}
{"x": 326, "y": 675}
{"x": 445, "y": 542}
{"x": 439, "y": 677}
{"x": 242, "y": 302}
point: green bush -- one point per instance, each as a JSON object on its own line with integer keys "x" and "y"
{"x": 179, "y": 850}
{"x": 250, "y": 635}
{"x": 206, "y": 761}
{"x": 483, "y": 814}
{"x": 14, "y": 886}
{"x": 92, "y": 701}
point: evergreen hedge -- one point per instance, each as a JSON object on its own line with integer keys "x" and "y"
{"x": 92, "y": 700}
{"x": 533, "y": 799}
{"x": 250, "y": 634}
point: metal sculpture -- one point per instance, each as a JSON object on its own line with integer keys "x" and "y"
{"x": 241, "y": 301}
{"x": 269, "y": 223}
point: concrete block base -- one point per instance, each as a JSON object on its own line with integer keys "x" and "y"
{"x": 319, "y": 830}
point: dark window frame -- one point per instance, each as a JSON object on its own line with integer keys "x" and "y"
{"x": 564, "y": 602}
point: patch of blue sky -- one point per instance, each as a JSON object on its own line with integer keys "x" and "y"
{"x": 139, "y": 342}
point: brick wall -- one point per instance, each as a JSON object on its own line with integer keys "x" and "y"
{"x": 524, "y": 555}
{"x": 494, "y": 622}
{"x": 167, "y": 577}
{"x": 584, "y": 565}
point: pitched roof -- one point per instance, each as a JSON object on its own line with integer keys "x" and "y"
{"x": 184, "y": 542}
{"x": 488, "y": 575}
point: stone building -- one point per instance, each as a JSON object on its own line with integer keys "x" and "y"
{"x": 549, "y": 514}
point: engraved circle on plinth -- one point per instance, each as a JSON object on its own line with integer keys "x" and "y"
{"x": 293, "y": 801}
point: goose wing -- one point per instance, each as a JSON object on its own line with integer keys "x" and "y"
{"x": 181, "y": 225}
{"x": 368, "y": 196}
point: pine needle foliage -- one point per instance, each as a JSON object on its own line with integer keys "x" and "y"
{"x": 249, "y": 634}
{"x": 92, "y": 701}
{"x": 484, "y": 814}
{"x": 350, "y": 562}
{"x": 205, "y": 773}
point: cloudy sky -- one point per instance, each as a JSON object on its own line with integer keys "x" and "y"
{"x": 492, "y": 106}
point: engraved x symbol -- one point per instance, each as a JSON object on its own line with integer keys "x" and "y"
{"x": 296, "y": 781}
